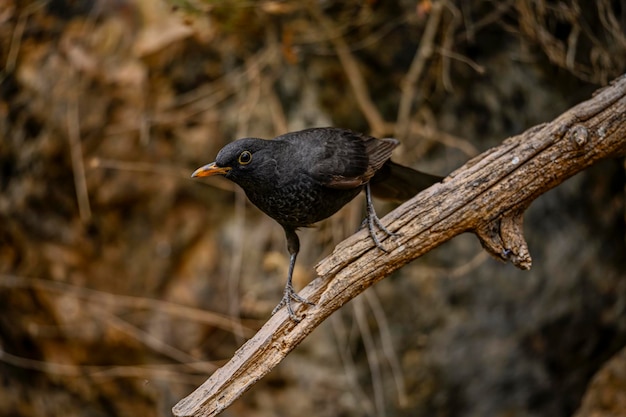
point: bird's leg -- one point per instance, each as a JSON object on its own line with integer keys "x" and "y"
{"x": 372, "y": 219}
{"x": 293, "y": 245}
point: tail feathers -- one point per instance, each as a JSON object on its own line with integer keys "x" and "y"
{"x": 399, "y": 183}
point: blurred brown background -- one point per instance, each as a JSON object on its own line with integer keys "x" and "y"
{"x": 124, "y": 284}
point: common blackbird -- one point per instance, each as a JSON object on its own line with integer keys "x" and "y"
{"x": 303, "y": 177}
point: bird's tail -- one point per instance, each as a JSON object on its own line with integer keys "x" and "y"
{"x": 399, "y": 183}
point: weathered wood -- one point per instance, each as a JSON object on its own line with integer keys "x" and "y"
{"x": 487, "y": 196}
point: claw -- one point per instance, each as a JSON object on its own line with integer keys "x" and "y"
{"x": 288, "y": 295}
{"x": 373, "y": 220}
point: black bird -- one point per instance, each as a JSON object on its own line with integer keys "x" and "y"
{"x": 303, "y": 177}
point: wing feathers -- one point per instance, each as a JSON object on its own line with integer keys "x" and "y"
{"x": 351, "y": 159}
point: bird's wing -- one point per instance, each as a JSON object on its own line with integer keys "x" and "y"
{"x": 344, "y": 159}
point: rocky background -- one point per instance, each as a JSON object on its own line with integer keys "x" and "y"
{"x": 124, "y": 283}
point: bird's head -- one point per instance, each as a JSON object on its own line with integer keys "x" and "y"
{"x": 237, "y": 161}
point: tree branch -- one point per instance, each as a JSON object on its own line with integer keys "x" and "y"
{"x": 409, "y": 84}
{"x": 353, "y": 72}
{"x": 487, "y": 196}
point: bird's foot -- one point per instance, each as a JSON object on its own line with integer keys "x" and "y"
{"x": 288, "y": 295}
{"x": 374, "y": 222}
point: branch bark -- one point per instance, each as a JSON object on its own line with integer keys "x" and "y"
{"x": 486, "y": 196}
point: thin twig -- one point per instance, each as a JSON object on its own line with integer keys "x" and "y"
{"x": 124, "y": 301}
{"x": 78, "y": 167}
{"x": 353, "y": 73}
{"x": 16, "y": 40}
{"x": 387, "y": 346}
{"x": 171, "y": 373}
{"x": 152, "y": 342}
{"x": 462, "y": 58}
{"x": 371, "y": 352}
{"x": 447, "y": 43}
{"x": 18, "y": 33}
{"x": 462, "y": 270}
{"x": 500, "y": 7}
{"x": 409, "y": 85}
{"x": 428, "y": 129}
{"x": 349, "y": 367}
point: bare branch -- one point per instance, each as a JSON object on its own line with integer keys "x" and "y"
{"x": 118, "y": 301}
{"x": 425, "y": 50}
{"x": 78, "y": 166}
{"x": 487, "y": 196}
{"x": 353, "y": 73}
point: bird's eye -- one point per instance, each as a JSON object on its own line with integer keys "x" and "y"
{"x": 245, "y": 157}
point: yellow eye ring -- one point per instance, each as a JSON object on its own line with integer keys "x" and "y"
{"x": 245, "y": 157}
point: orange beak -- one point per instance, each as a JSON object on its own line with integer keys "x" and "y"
{"x": 209, "y": 170}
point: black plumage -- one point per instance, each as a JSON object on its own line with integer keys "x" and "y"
{"x": 303, "y": 177}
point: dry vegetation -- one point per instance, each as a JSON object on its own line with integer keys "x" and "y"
{"x": 124, "y": 284}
